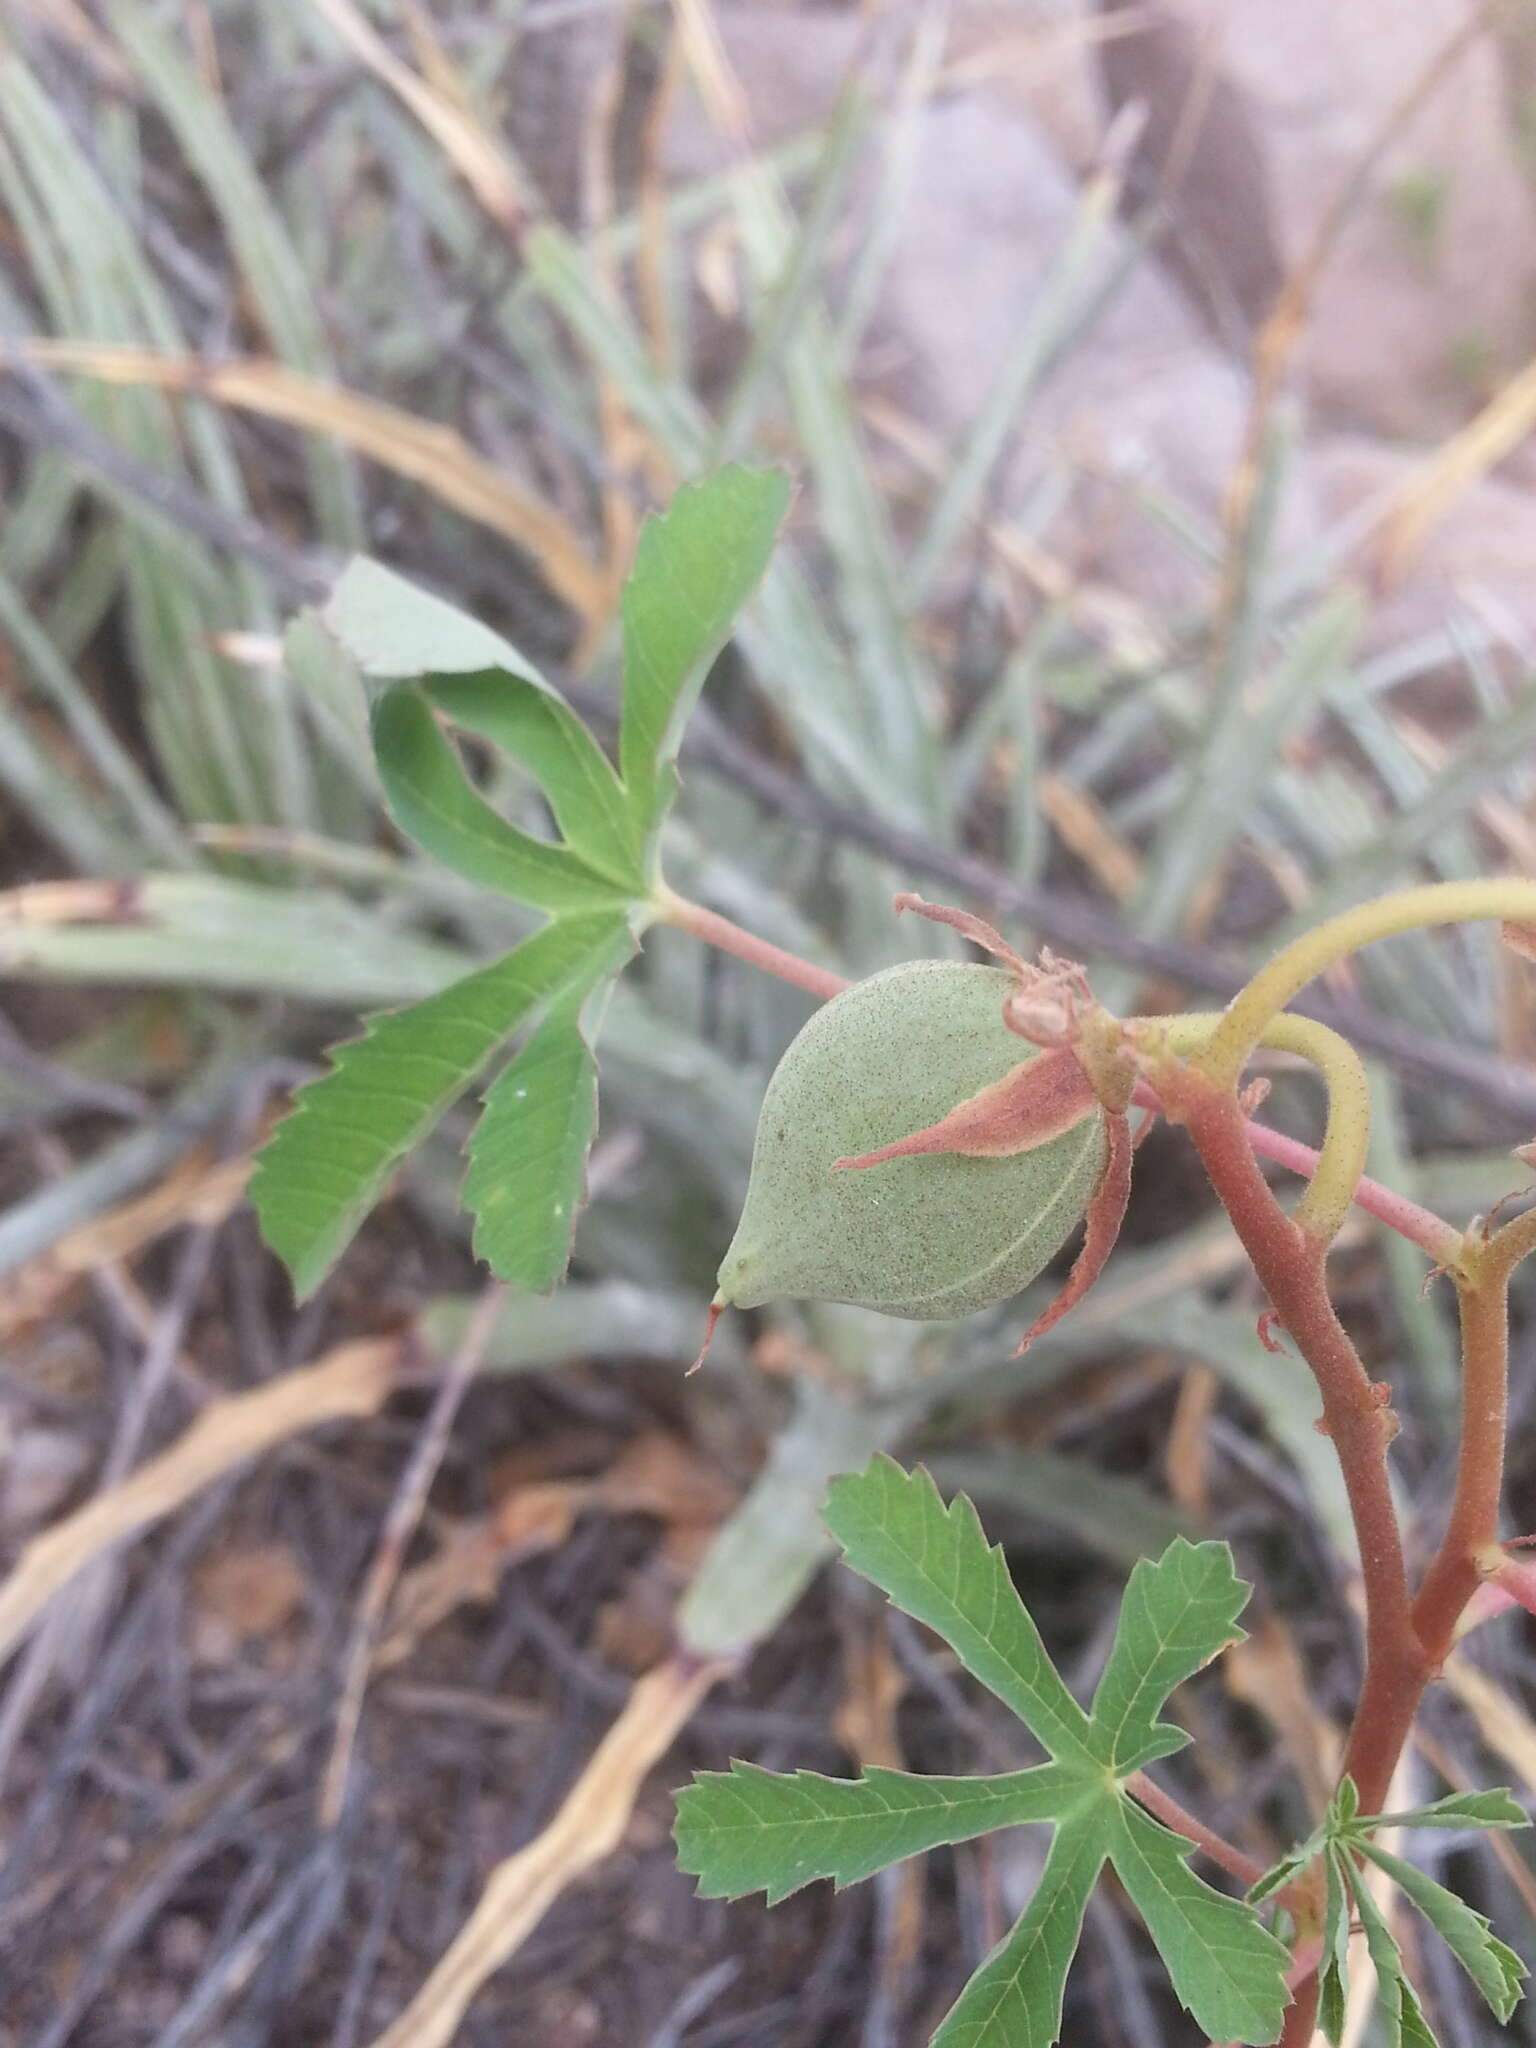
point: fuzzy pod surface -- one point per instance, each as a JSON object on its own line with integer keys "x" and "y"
{"x": 929, "y": 1237}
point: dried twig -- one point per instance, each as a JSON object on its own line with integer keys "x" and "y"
{"x": 399, "y": 1527}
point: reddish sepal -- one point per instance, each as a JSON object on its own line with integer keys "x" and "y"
{"x": 1105, "y": 1215}
{"x": 1039, "y": 1100}
{"x": 1515, "y": 1579}
{"x": 1508, "y": 1581}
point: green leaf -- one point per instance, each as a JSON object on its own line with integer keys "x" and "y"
{"x": 1397, "y": 2005}
{"x": 539, "y": 729}
{"x": 1290, "y": 1866}
{"x": 1493, "y": 1967}
{"x": 398, "y": 633}
{"x": 1495, "y": 1809}
{"x": 1333, "y": 1971}
{"x": 528, "y": 1152}
{"x": 749, "y": 1830}
{"x": 431, "y": 798}
{"x": 327, "y": 1162}
{"x": 695, "y": 566}
{"x": 1122, "y": 1519}
{"x": 1176, "y": 1616}
{"x": 936, "y": 1565}
{"x": 1014, "y": 1999}
{"x": 1336, "y": 1823}
{"x": 746, "y": 1829}
{"x": 1226, "y": 1967}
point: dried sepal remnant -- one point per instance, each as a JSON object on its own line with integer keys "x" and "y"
{"x": 1106, "y": 1213}
{"x": 1049, "y": 997}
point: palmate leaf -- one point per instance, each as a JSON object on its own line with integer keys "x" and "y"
{"x": 749, "y": 1830}
{"x": 328, "y": 1160}
{"x": 746, "y": 1829}
{"x": 1344, "y": 1835}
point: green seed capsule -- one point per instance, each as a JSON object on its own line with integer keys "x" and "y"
{"x": 925, "y": 1237}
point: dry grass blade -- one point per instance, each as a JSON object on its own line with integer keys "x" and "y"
{"x": 433, "y": 456}
{"x": 1499, "y": 1846}
{"x": 199, "y": 1189}
{"x": 475, "y": 154}
{"x": 74, "y": 902}
{"x": 1082, "y": 826}
{"x": 1504, "y": 422}
{"x": 1105, "y": 615}
{"x": 352, "y": 1380}
{"x": 588, "y": 1827}
{"x": 1505, "y": 1726}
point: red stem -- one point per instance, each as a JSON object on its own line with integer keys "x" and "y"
{"x": 1168, "y": 1810}
{"x": 1301, "y": 2013}
{"x": 1405, "y": 1640}
{"x": 1290, "y": 1266}
{"x": 1454, "y": 1575}
{"x": 730, "y": 938}
{"x": 1431, "y": 1233}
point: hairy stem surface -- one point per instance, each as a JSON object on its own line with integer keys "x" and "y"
{"x": 1224, "y": 1854}
{"x": 1290, "y": 1266}
{"x": 719, "y": 931}
{"x": 1473, "y": 1527}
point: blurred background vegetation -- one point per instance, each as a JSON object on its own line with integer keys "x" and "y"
{"x": 1157, "y": 385}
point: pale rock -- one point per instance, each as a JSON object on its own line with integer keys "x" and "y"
{"x": 1143, "y": 401}
{"x": 1433, "y": 283}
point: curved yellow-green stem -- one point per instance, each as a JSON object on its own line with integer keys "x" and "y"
{"x": 1244, "y": 1020}
{"x": 1346, "y": 1136}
